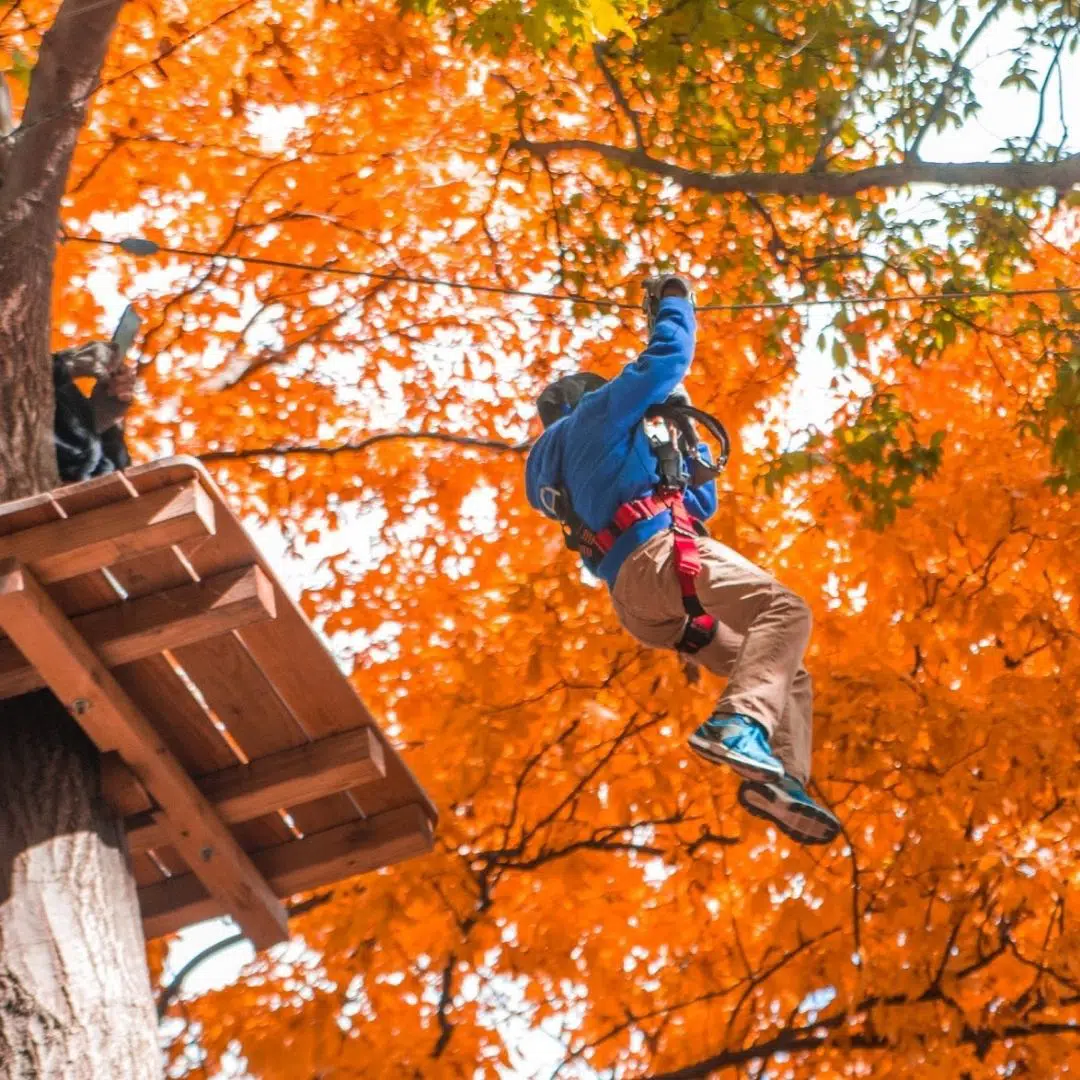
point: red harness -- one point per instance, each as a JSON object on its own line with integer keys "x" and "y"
{"x": 700, "y": 627}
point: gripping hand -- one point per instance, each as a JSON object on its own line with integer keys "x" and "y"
{"x": 656, "y": 288}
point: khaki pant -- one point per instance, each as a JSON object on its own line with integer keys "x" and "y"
{"x": 762, "y": 632}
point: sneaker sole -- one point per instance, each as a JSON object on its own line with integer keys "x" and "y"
{"x": 747, "y": 767}
{"x": 764, "y": 803}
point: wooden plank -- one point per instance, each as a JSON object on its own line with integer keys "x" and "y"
{"x": 294, "y": 658}
{"x": 240, "y": 694}
{"x": 344, "y": 851}
{"x": 22, "y": 513}
{"x": 288, "y": 778}
{"x": 125, "y": 632}
{"x": 234, "y": 686}
{"x": 120, "y": 787}
{"x": 311, "y": 719}
{"x": 144, "y": 870}
{"x": 88, "y": 592}
{"x": 113, "y": 722}
{"x": 114, "y": 532}
{"x": 152, "y": 684}
{"x": 178, "y": 716}
{"x": 188, "y": 733}
{"x": 95, "y": 590}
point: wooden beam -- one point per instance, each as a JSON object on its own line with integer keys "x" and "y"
{"x": 120, "y": 787}
{"x": 50, "y": 642}
{"x": 98, "y": 538}
{"x": 297, "y": 866}
{"x": 135, "y": 629}
{"x": 288, "y": 778}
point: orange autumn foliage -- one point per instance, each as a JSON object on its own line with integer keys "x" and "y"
{"x": 591, "y": 877}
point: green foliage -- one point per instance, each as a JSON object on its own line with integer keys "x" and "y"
{"x": 21, "y": 68}
{"x": 543, "y": 25}
{"x": 878, "y": 457}
{"x": 790, "y": 465}
{"x": 1057, "y": 423}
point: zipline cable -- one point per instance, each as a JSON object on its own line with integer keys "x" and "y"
{"x": 140, "y": 246}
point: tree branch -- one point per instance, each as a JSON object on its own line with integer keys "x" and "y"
{"x": 446, "y": 997}
{"x": 903, "y": 31}
{"x": 947, "y": 85}
{"x": 812, "y": 1037}
{"x": 600, "y": 53}
{"x": 1042, "y": 93}
{"x": 68, "y": 69}
{"x": 1026, "y": 175}
{"x": 169, "y": 993}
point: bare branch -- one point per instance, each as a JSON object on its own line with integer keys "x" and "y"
{"x": 360, "y": 446}
{"x": 600, "y": 53}
{"x": 947, "y": 86}
{"x": 170, "y": 992}
{"x": 902, "y": 35}
{"x": 446, "y": 997}
{"x": 571, "y": 849}
{"x": 794, "y": 1040}
{"x": 1024, "y": 175}
{"x": 1042, "y": 93}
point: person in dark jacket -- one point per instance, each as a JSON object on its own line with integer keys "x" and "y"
{"x": 88, "y": 432}
{"x": 595, "y": 451}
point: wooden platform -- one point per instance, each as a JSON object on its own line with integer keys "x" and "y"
{"x": 246, "y": 767}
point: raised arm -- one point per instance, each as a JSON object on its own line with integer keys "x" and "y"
{"x": 660, "y": 368}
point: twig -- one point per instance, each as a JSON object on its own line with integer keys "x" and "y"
{"x": 600, "y": 53}
{"x": 169, "y": 993}
{"x": 903, "y": 32}
{"x": 1042, "y": 94}
{"x": 946, "y": 86}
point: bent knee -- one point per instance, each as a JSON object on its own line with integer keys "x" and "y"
{"x": 794, "y": 607}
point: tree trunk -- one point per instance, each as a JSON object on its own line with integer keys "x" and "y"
{"x": 75, "y": 998}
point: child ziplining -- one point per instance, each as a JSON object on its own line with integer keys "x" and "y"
{"x": 634, "y": 508}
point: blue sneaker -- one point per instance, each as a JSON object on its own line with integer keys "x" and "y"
{"x": 738, "y": 741}
{"x": 787, "y": 806}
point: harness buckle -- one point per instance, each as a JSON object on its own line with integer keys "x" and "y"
{"x": 698, "y": 632}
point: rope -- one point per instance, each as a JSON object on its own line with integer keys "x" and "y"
{"x": 140, "y": 246}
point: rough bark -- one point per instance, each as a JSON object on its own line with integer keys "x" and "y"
{"x": 75, "y": 998}
{"x": 38, "y": 154}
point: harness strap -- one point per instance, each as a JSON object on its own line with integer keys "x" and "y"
{"x": 701, "y": 627}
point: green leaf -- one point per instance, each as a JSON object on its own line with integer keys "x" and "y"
{"x": 21, "y": 68}
{"x": 606, "y": 19}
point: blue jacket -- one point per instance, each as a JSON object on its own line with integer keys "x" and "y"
{"x": 600, "y": 452}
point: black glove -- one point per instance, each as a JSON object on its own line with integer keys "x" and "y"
{"x": 656, "y": 288}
